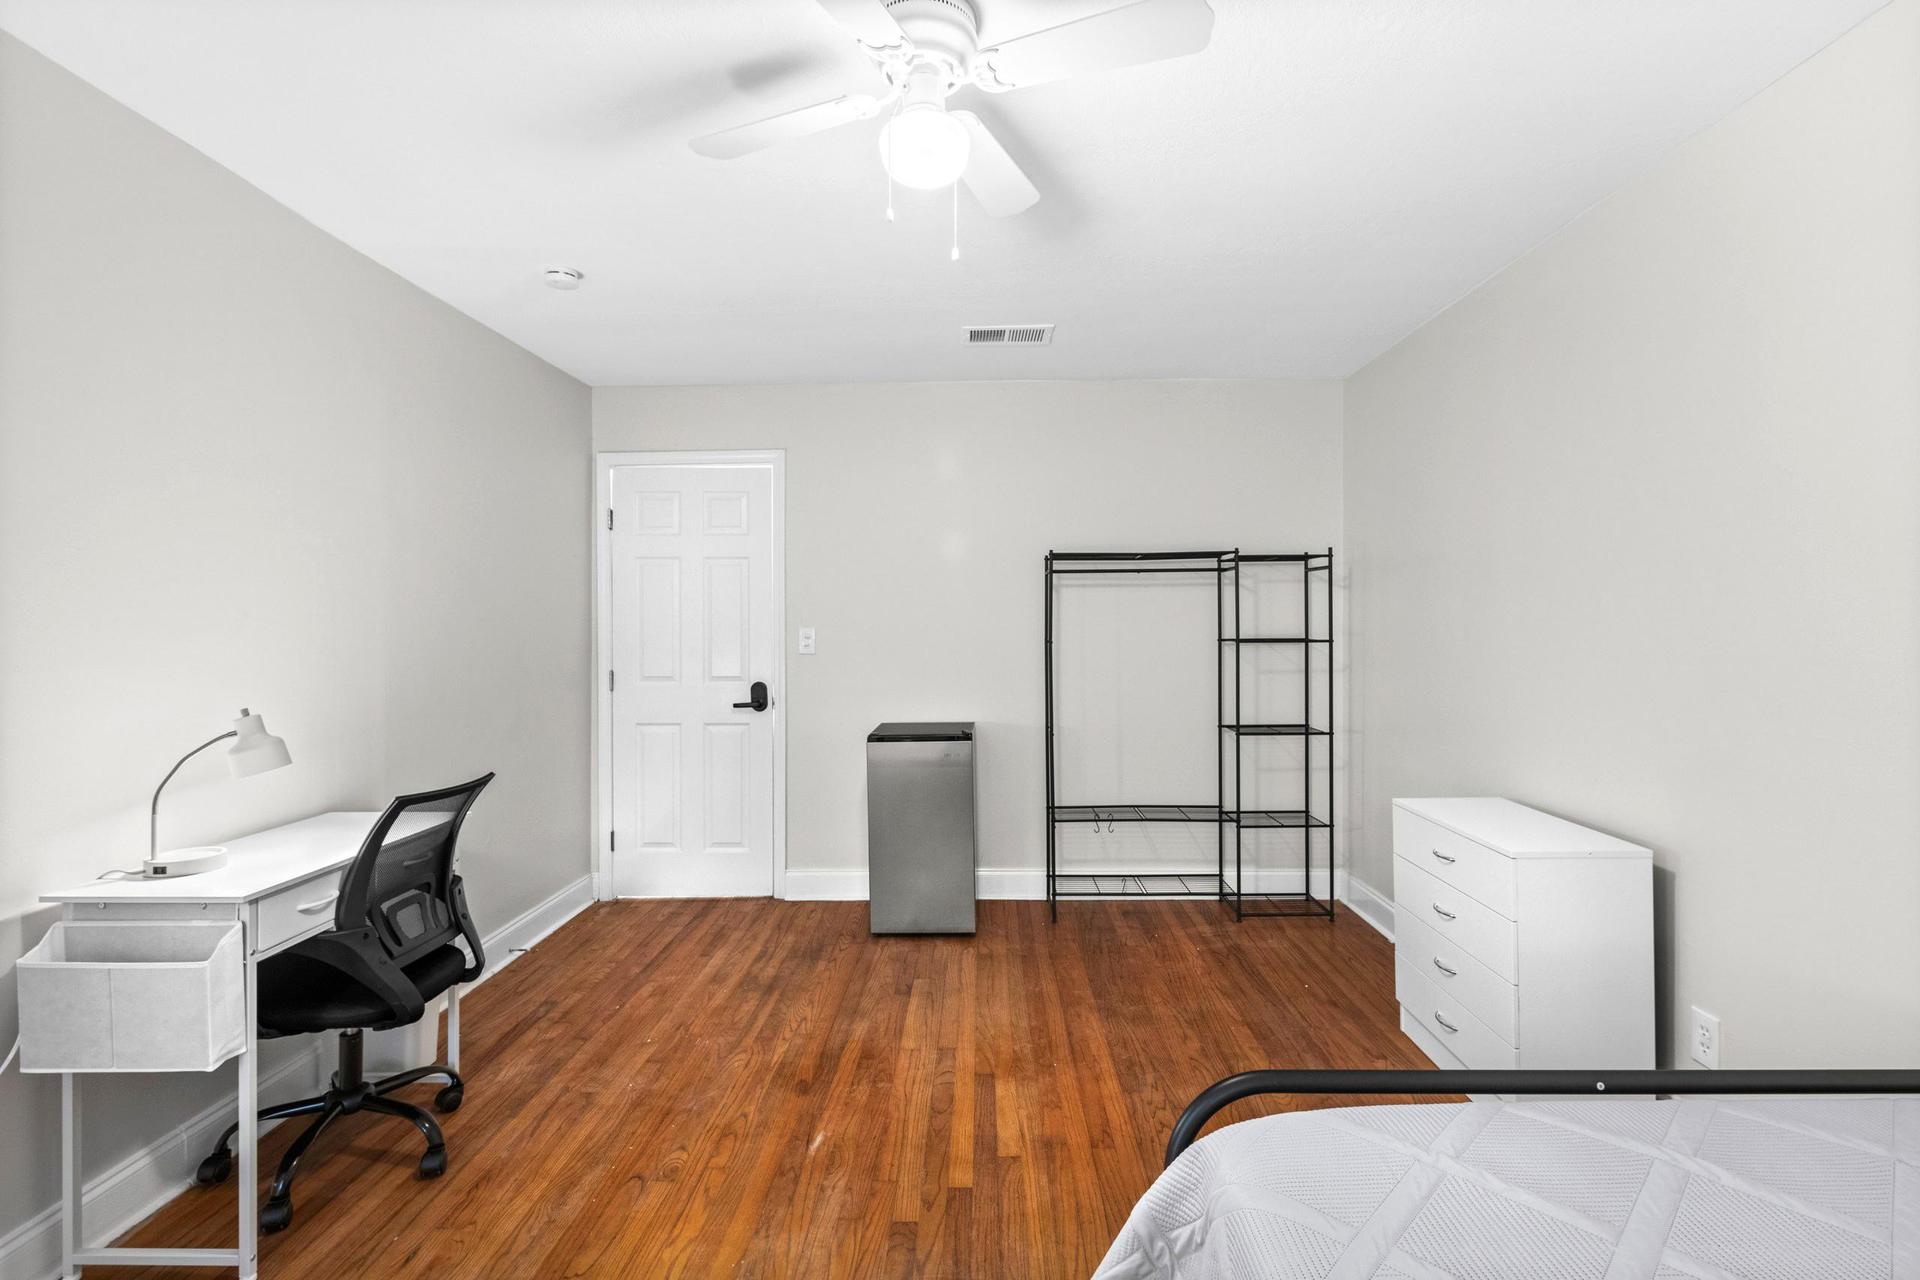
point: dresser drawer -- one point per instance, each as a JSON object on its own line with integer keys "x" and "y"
{"x": 1474, "y": 927}
{"x": 294, "y": 912}
{"x": 1453, "y": 972}
{"x": 1464, "y": 1035}
{"x": 1468, "y": 866}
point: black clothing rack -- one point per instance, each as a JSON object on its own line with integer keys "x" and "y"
{"x": 1225, "y": 812}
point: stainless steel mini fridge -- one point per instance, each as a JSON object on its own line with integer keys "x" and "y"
{"x": 920, "y": 843}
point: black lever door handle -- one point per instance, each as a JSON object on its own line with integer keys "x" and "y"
{"x": 757, "y": 696}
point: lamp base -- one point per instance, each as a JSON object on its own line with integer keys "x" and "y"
{"x": 185, "y": 862}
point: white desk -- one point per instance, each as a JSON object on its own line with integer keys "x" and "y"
{"x": 281, "y": 886}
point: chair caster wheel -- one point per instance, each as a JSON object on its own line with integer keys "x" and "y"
{"x": 276, "y": 1215}
{"x": 448, "y": 1099}
{"x": 216, "y": 1168}
{"x": 434, "y": 1163}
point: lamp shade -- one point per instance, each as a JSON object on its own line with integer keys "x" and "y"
{"x": 254, "y": 750}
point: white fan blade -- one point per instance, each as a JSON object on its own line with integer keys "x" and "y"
{"x": 867, "y": 20}
{"x": 995, "y": 180}
{"x": 1144, "y": 31}
{"x": 788, "y": 125}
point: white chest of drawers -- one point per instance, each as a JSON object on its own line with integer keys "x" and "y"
{"x": 1521, "y": 940}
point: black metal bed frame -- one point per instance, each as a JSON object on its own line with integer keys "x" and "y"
{"x": 1225, "y": 566}
{"x": 1247, "y": 1084}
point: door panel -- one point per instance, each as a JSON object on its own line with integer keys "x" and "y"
{"x": 729, "y": 797}
{"x": 657, "y": 782}
{"x": 729, "y": 626}
{"x": 692, "y": 629}
{"x": 657, "y": 582}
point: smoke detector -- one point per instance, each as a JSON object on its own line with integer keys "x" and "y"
{"x": 563, "y": 278}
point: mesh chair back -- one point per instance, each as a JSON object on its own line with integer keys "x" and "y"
{"x": 401, "y": 881}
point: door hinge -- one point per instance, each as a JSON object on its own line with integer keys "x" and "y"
{"x": 609, "y": 682}
{"x": 613, "y": 841}
{"x": 609, "y": 519}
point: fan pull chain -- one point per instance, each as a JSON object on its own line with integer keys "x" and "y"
{"x": 955, "y": 257}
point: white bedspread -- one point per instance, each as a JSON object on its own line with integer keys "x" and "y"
{"x": 1769, "y": 1189}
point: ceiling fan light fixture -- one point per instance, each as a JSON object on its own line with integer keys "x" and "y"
{"x": 923, "y": 147}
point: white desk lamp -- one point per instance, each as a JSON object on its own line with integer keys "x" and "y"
{"x": 254, "y": 750}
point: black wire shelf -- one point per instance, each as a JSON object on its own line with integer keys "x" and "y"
{"x": 1175, "y": 813}
{"x": 1275, "y": 730}
{"x": 1137, "y": 884}
{"x": 1275, "y": 640}
{"x": 1136, "y": 813}
{"x": 1291, "y": 818}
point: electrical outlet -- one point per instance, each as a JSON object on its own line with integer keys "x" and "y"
{"x": 806, "y": 639}
{"x": 1705, "y": 1041}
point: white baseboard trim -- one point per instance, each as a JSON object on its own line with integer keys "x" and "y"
{"x": 522, "y": 933}
{"x": 990, "y": 884}
{"x": 1368, "y": 903}
{"x": 1030, "y": 884}
{"x": 826, "y": 886}
{"x": 137, "y": 1186}
{"x": 1014, "y": 884}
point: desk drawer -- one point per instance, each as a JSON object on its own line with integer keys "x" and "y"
{"x": 1487, "y": 995}
{"x": 1468, "y": 866}
{"x": 1468, "y": 1038}
{"x": 1475, "y": 928}
{"x": 295, "y": 912}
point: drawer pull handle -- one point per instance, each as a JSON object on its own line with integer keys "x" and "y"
{"x": 1444, "y": 857}
{"x": 1443, "y": 913}
{"x": 318, "y": 905}
{"x": 1450, "y": 972}
{"x": 1443, "y": 1022}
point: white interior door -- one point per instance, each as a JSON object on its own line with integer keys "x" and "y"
{"x": 693, "y": 621}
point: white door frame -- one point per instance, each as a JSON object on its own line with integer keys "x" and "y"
{"x": 603, "y": 465}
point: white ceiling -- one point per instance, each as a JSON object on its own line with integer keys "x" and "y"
{"x": 1324, "y": 178}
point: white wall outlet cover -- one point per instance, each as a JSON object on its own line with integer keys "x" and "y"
{"x": 1704, "y": 1039}
{"x": 806, "y": 639}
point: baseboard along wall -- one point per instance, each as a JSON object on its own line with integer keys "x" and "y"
{"x": 1025, "y": 884}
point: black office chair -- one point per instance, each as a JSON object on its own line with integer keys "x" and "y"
{"x": 390, "y": 951}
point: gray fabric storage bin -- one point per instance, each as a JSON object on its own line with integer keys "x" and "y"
{"x": 127, "y": 995}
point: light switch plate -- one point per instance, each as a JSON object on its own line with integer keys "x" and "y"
{"x": 806, "y": 639}
{"x": 1705, "y": 1041}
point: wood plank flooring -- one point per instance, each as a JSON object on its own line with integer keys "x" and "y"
{"x": 760, "y": 1089}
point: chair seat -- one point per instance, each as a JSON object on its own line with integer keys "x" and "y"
{"x": 300, "y": 994}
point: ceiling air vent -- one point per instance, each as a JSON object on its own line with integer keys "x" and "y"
{"x": 1010, "y": 335}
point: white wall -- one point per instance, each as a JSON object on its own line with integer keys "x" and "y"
{"x": 242, "y": 464}
{"x": 918, "y": 516}
{"x": 1635, "y": 534}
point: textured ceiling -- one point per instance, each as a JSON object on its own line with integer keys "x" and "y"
{"x": 1320, "y": 181}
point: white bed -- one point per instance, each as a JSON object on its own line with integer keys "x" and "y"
{"x": 1615, "y": 1189}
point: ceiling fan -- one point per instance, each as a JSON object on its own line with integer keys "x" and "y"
{"x": 928, "y": 49}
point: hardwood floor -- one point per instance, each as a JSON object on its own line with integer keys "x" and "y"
{"x": 759, "y": 1089}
